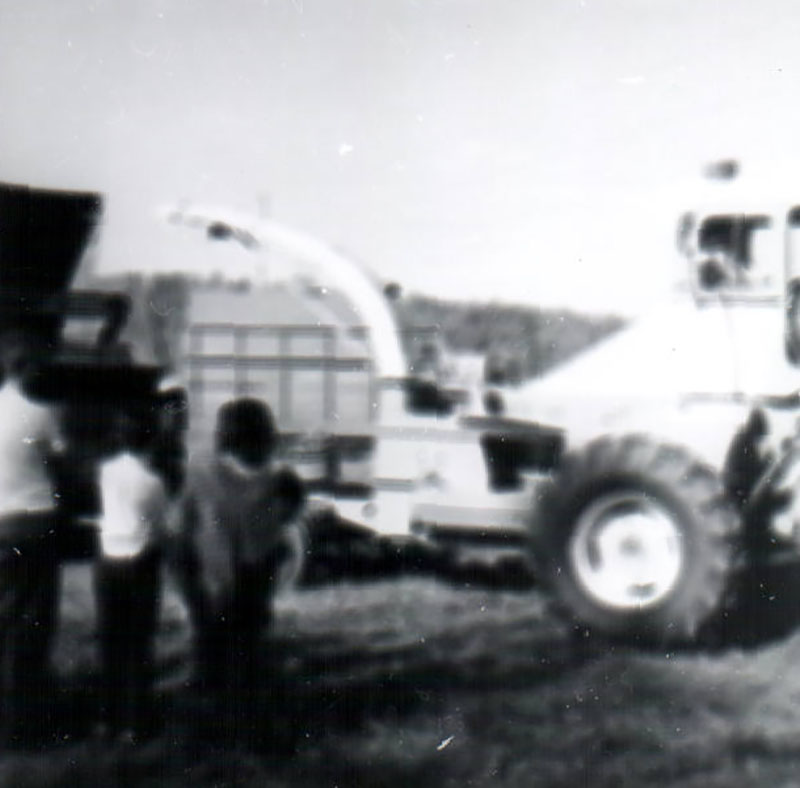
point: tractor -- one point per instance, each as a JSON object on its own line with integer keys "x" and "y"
{"x": 671, "y": 518}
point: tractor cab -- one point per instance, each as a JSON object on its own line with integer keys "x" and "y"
{"x": 734, "y": 255}
{"x": 744, "y": 264}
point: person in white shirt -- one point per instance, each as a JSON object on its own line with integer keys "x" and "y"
{"x": 134, "y": 505}
{"x": 29, "y": 554}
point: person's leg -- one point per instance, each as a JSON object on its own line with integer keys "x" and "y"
{"x": 40, "y": 581}
{"x": 145, "y": 590}
{"x": 113, "y": 612}
{"x": 246, "y": 618}
{"x": 250, "y": 617}
{"x": 201, "y": 621}
{"x": 28, "y": 596}
{"x": 185, "y": 569}
{"x": 212, "y": 645}
{"x": 228, "y": 651}
{"x": 11, "y": 601}
{"x": 253, "y": 615}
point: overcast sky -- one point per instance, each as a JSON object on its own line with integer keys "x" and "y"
{"x": 516, "y": 149}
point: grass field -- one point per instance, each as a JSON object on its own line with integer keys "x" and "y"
{"x": 415, "y": 683}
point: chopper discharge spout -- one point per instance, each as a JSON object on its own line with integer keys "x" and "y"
{"x": 308, "y": 255}
{"x": 347, "y": 276}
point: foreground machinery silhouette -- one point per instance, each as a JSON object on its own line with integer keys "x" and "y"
{"x": 44, "y": 234}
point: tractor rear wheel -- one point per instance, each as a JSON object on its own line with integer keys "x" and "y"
{"x": 636, "y": 540}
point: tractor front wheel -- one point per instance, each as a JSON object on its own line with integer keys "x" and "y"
{"x": 636, "y": 540}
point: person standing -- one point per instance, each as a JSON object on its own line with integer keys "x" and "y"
{"x": 134, "y": 504}
{"x": 29, "y": 552}
{"x": 236, "y": 509}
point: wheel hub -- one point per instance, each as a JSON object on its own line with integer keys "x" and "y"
{"x": 627, "y": 551}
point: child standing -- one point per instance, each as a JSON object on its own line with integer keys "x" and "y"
{"x": 236, "y": 509}
{"x": 128, "y": 578}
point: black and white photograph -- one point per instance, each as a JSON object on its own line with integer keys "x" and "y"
{"x": 399, "y": 393}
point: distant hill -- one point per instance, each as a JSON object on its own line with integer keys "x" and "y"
{"x": 531, "y": 339}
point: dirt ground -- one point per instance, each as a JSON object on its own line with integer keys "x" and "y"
{"x": 412, "y": 682}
